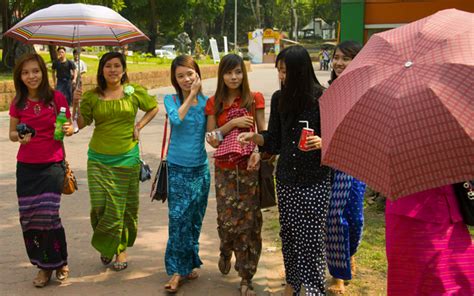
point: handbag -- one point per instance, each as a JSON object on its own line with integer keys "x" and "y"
{"x": 145, "y": 170}
{"x": 266, "y": 181}
{"x": 69, "y": 182}
{"x": 159, "y": 188}
{"x": 230, "y": 150}
{"x": 465, "y": 194}
{"x": 266, "y": 177}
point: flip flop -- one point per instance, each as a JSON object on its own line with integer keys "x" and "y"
{"x": 192, "y": 276}
{"x": 62, "y": 273}
{"x": 119, "y": 266}
{"x": 173, "y": 284}
{"x": 105, "y": 260}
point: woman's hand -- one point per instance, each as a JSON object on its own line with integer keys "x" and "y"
{"x": 313, "y": 143}
{"x": 77, "y": 96}
{"x": 68, "y": 129}
{"x": 136, "y": 133}
{"x": 245, "y": 138}
{"x": 242, "y": 122}
{"x": 25, "y": 139}
{"x": 212, "y": 139}
{"x": 253, "y": 163}
{"x": 196, "y": 85}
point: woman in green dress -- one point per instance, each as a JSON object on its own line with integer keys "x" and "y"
{"x": 113, "y": 156}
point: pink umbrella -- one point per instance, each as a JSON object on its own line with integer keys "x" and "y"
{"x": 401, "y": 116}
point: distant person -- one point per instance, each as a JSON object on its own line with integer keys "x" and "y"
{"x": 346, "y": 206}
{"x": 189, "y": 178}
{"x": 326, "y": 59}
{"x": 39, "y": 168}
{"x": 113, "y": 163}
{"x": 64, "y": 74}
{"x": 81, "y": 66}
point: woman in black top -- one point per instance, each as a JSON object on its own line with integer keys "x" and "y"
{"x": 303, "y": 185}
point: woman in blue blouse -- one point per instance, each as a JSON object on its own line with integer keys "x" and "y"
{"x": 189, "y": 177}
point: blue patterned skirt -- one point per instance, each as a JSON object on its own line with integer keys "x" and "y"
{"x": 187, "y": 202}
{"x": 345, "y": 223}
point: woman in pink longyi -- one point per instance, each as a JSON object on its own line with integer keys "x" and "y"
{"x": 429, "y": 249}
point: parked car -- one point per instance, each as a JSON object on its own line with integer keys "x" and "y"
{"x": 161, "y": 53}
{"x": 169, "y": 47}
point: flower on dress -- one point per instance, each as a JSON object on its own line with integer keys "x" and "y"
{"x": 128, "y": 90}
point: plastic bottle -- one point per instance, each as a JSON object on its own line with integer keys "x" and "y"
{"x": 60, "y": 120}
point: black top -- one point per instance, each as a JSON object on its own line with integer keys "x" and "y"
{"x": 295, "y": 167}
{"x": 63, "y": 70}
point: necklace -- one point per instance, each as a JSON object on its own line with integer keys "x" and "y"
{"x": 37, "y": 109}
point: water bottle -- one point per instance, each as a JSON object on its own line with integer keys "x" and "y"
{"x": 60, "y": 120}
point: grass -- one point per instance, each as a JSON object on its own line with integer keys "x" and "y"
{"x": 135, "y": 63}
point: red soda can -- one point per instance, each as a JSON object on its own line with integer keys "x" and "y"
{"x": 305, "y": 132}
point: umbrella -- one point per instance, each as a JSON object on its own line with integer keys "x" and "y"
{"x": 401, "y": 116}
{"x": 76, "y": 25}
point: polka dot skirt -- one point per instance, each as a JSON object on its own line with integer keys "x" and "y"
{"x": 303, "y": 211}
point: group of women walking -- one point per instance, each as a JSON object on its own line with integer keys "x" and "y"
{"x": 321, "y": 210}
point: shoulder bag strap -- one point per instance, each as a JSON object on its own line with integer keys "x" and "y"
{"x": 164, "y": 152}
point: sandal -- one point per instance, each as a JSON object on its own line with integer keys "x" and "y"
{"x": 119, "y": 266}
{"x": 192, "y": 276}
{"x": 62, "y": 273}
{"x": 336, "y": 287}
{"x": 105, "y": 260}
{"x": 246, "y": 288}
{"x": 224, "y": 264}
{"x": 42, "y": 278}
{"x": 173, "y": 284}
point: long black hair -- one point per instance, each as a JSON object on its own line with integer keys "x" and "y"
{"x": 350, "y": 49}
{"x": 301, "y": 87}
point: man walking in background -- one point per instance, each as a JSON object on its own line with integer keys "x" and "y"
{"x": 64, "y": 74}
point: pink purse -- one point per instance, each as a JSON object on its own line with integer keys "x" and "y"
{"x": 230, "y": 149}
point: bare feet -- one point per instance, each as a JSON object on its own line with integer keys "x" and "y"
{"x": 353, "y": 266}
{"x": 62, "y": 273}
{"x": 42, "y": 278}
{"x": 120, "y": 262}
{"x": 337, "y": 286}
{"x": 173, "y": 284}
{"x": 288, "y": 290}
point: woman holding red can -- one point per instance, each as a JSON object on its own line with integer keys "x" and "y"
{"x": 303, "y": 185}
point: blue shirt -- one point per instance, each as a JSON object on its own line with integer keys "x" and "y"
{"x": 187, "y": 136}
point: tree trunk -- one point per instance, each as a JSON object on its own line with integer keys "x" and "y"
{"x": 257, "y": 12}
{"x": 153, "y": 27}
{"x": 53, "y": 54}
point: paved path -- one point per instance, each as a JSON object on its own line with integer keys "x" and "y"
{"x": 146, "y": 273}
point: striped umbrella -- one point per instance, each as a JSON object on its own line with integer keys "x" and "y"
{"x": 76, "y": 25}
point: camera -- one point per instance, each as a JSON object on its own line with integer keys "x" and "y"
{"x": 24, "y": 129}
